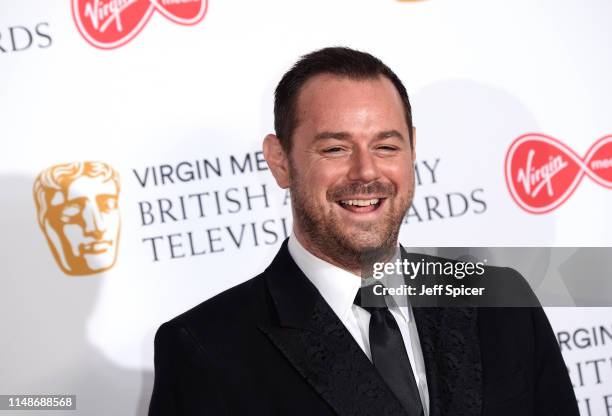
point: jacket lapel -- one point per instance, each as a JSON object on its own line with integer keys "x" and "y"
{"x": 451, "y": 351}
{"x": 321, "y": 349}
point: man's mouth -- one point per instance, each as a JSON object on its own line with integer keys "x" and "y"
{"x": 361, "y": 205}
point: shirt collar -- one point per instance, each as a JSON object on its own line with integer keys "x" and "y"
{"x": 337, "y": 286}
{"x": 399, "y": 303}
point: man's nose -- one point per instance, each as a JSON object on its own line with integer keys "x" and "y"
{"x": 363, "y": 166}
{"x": 94, "y": 223}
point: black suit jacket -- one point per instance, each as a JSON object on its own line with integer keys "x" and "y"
{"x": 272, "y": 346}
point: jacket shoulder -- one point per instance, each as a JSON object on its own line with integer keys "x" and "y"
{"x": 236, "y": 307}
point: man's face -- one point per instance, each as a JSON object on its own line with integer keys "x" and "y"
{"x": 83, "y": 225}
{"x": 351, "y": 166}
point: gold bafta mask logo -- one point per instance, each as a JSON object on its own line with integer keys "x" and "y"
{"x": 78, "y": 211}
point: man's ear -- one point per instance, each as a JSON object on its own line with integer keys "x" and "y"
{"x": 278, "y": 160}
{"x": 413, "y": 143}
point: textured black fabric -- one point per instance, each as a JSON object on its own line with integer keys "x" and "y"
{"x": 453, "y": 361}
{"x": 390, "y": 357}
{"x": 273, "y": 346}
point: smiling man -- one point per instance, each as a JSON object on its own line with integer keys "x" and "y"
{"x": 297, "y": 339}
{"x": 344, "y": 148}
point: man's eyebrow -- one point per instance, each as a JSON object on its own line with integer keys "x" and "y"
{"x": 343, "y": 135}
{"x": 339, "y": 135}
{"x": 389, "y": 134}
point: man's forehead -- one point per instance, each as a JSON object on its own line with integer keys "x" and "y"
{"x": 326, "y": 99}
{"x": 329, "y": 84}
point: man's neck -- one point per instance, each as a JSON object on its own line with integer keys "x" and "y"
{"x": 352, "y": 262}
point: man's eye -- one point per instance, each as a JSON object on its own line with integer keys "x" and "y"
{"x": 335, "y": 149}
{"x": 387, "y": 148}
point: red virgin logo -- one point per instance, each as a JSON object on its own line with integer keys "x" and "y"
{"x": 542, "y": 172}
{"x": 108, "y": 24}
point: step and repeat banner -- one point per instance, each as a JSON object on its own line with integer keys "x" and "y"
{"x": 134, "y": 187}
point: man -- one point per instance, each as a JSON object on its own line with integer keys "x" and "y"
{"x": 296, "y": 339}
{"x": 77, "y": 207}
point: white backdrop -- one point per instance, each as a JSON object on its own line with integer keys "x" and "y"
{"x": 479, "y": 74}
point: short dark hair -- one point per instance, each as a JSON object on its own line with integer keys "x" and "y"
{"x": 339, "y": 61}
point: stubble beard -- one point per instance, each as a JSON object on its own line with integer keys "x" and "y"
{"x": 322, "y": 227}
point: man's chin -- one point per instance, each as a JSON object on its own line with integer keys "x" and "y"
{"x": 363, "y": 241}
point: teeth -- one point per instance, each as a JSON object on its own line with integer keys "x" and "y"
{"x": 361, "y": 202}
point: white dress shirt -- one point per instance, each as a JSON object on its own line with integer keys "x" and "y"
{"x": 338, "y": 287}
